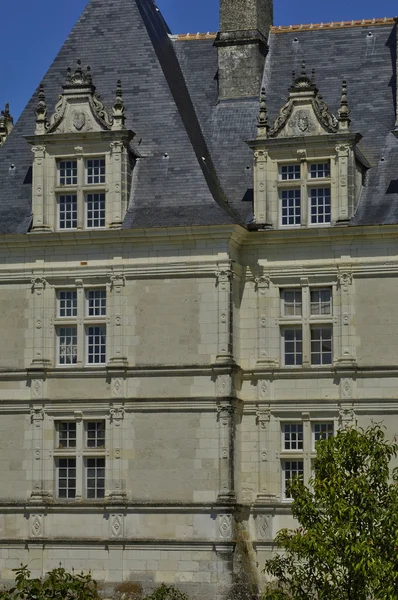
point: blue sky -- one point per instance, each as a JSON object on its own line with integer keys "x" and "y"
{"x": 32, "y": 32}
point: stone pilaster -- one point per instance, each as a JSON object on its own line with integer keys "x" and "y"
{"x": 39, "y": 359}
{"x": 115, "y": 335}
{"x": 265, "y": 320}
{"x": 346, "y": 351}
{"x": 37, "y": 418}
{"x": 39, "y": 208}
{"x": 260, "y": 186}
{"x": 226, "y": 421}
{"x": 116, "y": 421}
{"x": 224, "y": 278}
{"x": 342, "y": 166}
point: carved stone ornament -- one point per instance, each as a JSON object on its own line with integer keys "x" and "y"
{"x": 225, "y": 414}
{"x": 344, "y": 279}
{"x": 346, "y": 417}
{"x": 225, "y": 526}
{"x": 36, "y": 526}
{"x": 117, "y": 415}
{"x": 264, "y": 527}
{"x": 224, "y": 386}
{"x": 304, "y": 92}
{"x": 116, "y": 526}
{"x": 263, "y": 417}
{"x": 79, "y": 107}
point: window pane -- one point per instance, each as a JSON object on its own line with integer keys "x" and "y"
{"x": 67, "y": 170}
{"x": 321, "y": 302}
{"x": 96, "y": 344}
{"x": 319, "y": 170}
{"x": 290, "y": 172}
{"x": 95, "y": 207}
{"x": 293, "y": 347}
{"x": 67, "y": 206}
{"x": 67, "y": 344}
{"x": 291, "y": 207}
{"x": 95, "y": 432}
{"x": 321, "y": 345}
{"x": 320, "y": 205}
{"x": 291, "y": 469}
{"x": 292, "y": 436}
{"x": 95, "y": 170}
{"x": 291, "y": 303}
{"x": 321, "y": 431}
{"x": 96, "y": 300}
{"x": 95, "y": 482}
{"x": 66, "y": 477}
{"x": 67, "y": 435}
{"x": 67, "y": 303}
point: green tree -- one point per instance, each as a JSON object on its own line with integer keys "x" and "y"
{"x": 165, "y": 592}
{"x": 346, "y": 545}
{"x": 58, "y": 584}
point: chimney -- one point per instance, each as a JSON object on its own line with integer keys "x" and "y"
{"x": 242, "y": 46}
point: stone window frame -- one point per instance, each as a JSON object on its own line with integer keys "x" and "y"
{"x": 81, "y": 191}
{"x": 82, "y": 325}
{"x": 80, "y": 453}
{"x": 304, "y": 184}
{"x": 303, "y": 457}
{"x": 306, "y": 323}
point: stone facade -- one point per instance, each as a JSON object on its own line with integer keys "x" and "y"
{"x": 159, "y": 385}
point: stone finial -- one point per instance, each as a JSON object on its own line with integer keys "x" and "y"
{"x": 41, "y": 112}
{"x": 344, "y": 111}
{"x": 6, "y": 124}
{"x": 303, "y": 82}
{"x": 79, "y": 78}
{"x": 118, "y": 108}
{"x": 262, "y": 119}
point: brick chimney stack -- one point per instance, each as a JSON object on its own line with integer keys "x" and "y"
{"x": 242, "y": 46}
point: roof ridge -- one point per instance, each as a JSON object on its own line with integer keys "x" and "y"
{"x": 334, "y": 25}
{"x": 182, "y": 37}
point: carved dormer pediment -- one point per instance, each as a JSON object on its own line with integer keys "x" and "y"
{"x": 305, "y": 112}
{"x": 79, "y": 108}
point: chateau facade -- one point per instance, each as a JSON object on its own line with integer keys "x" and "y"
{"x": 198, "y": 279}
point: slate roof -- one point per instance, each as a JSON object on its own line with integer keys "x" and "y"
{"x": 196, "y": 168}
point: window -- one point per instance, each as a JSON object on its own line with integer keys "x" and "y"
{"x": 298, "y": 449}
{"x": 306, "y": 325}
{"x": 291, "y": 469}
{"x": 95, "y": 434}
{"x": 95, "y": 207}
{"x": 293, "y": 346}
{"x": 320, "y": 205}
{"x": 292, "y": 436}
{"x": 67, "y": 172}
{"x": 321, "y": 431}
{"x": 84, "y": 206}
{"x": 291, "y": 207}
{"x": 95, "y": 477}
{"x": 81, "y": 330}
{"x": 80, "y": 459}
{"x": 66, "y": 434}
{"x": 288, "y": 172}
{"x": 95, "y": 170}
{"x": 305, "y": 183}
{"x": 66, "y": 471}
{"x": 67, "y": 209}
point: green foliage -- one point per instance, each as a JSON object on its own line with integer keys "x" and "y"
{"x": 57, "y": 585}
{"x": 165, "y": 592}
{"x": 346, "y": 545}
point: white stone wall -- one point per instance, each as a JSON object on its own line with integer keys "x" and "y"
{"x": 194, "y": 394}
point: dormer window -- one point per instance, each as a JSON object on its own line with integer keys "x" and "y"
{"x": 307, "y": 168}
{"x": 88, "y": 150}
{"x": 299, "y": 184}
